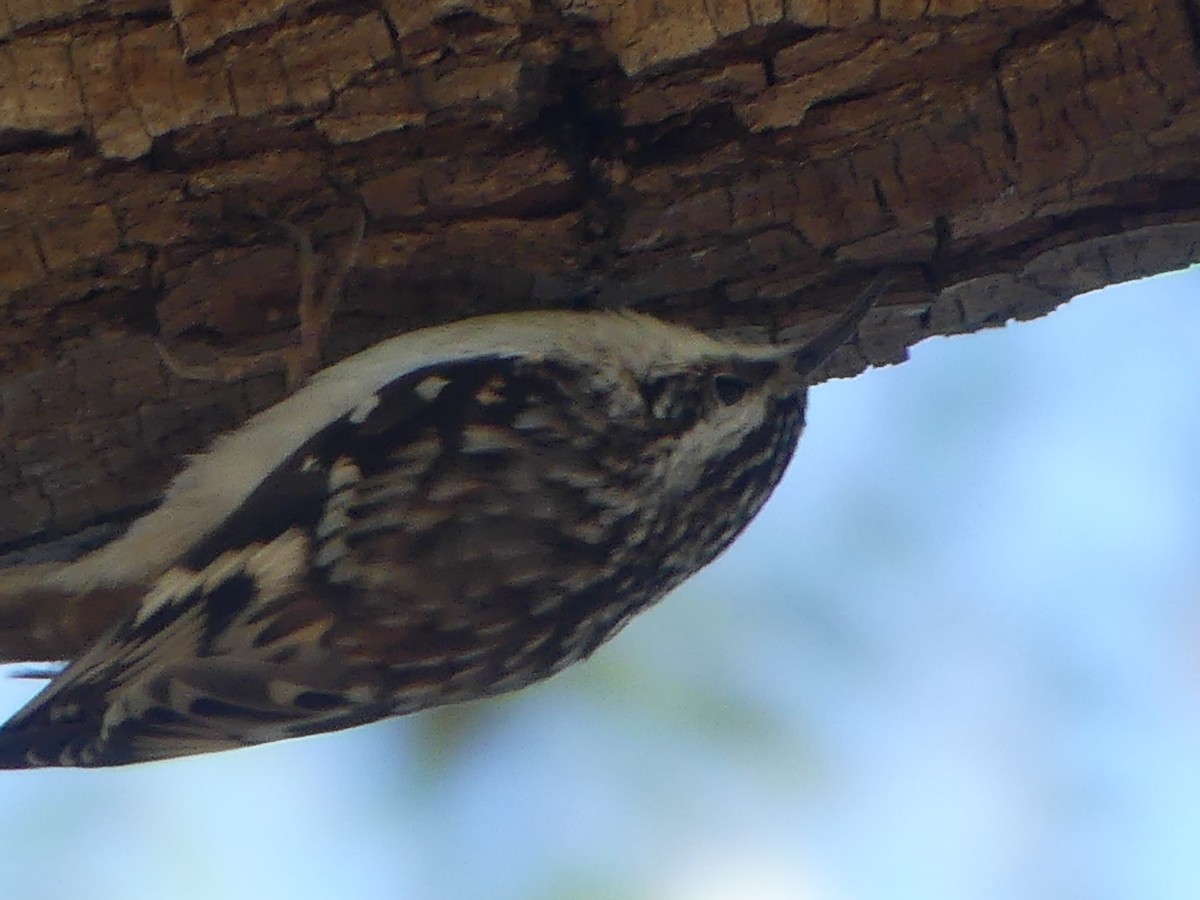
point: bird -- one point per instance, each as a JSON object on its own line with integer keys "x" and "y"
{"x": 453, "y": 513}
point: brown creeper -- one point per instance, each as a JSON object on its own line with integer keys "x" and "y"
{"x": 453, "y": 513}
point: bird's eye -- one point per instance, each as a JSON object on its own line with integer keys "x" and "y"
{"x": 729, "y": 388}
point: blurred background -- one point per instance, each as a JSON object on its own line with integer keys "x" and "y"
{"x": 956, "y": 656}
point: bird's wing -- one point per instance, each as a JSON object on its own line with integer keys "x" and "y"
{"x": 371, "y": 550}
{"x": 439, "y": 541}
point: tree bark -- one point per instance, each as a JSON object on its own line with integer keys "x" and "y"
{"x": 743, "y": 166}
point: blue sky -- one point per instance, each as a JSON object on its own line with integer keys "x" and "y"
{"x": 958, "y": 655}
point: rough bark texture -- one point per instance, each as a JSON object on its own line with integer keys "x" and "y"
{"x": 744, "y": 165}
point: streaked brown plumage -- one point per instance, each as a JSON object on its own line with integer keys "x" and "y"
{"x": 454, "y": 513}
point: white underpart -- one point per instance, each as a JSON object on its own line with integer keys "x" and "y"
{"x": 359, "y": 414}
{"x": 216, "y": 483}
